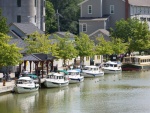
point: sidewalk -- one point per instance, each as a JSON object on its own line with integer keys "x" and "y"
{"x": 8, "y": 86}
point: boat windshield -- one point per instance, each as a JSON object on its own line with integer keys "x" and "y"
{"x": 24, "y": 81}
{"x": 73, "y": 73}
{"x": 60, "y": 77}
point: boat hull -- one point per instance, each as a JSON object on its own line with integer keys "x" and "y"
{"x": 76, "y": 80}
{"x": 90, "y": 75}
{"x": 51, "y": 84}
{"x": 109, "y": 71}
{"x": 131, "y": 67}
{"x": 21, "y": 89}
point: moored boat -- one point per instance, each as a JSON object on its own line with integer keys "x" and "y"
{"x": 136, "y": 63}
{"x": 56, "y": 80}
{"x": 91, "y": 71}
{"x": 74, "y": 76}
{"x": 111, "y": 67}
{"x": 25, "y": 85}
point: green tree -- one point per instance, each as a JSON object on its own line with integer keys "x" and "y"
{"x": 51, "y": 23}
{"x": 70, "y": 11}
{"x": 118, "y": 46}
{"x": 40, "y": 43}
{"x": 134, "y": 32}
{"x": 3, "y": 25}
{"x": 103, "y": 47}
{"x": 10, "y": 53}
{"x": 84, "y": 45}
{"x": 66, "y": 48}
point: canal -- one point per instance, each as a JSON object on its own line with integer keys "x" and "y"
{"x": 128, "y": 92}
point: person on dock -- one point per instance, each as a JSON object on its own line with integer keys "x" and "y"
{"x": 4, "y": 79}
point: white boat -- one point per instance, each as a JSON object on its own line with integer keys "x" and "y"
{"x": 25, "y": 85}
{"x": 74, "y": 76}
{"x": 56, "y": 80}
{"x": 92, "y": 71}
{"x": 111, "y": 67}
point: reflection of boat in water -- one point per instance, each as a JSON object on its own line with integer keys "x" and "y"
{"x": 74, "y": 76}
{"x": 91, "y": 71}
{"x": 56, "y": 80}
{"x": 55, "y": 94}
{"x": 111, "y": 67}
{"x": 26, "y": 101}
{"x": 25, "y": 85}
{"x": 136, "y": 63}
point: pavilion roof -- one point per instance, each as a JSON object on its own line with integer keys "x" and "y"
{"x": 38, "y": 57}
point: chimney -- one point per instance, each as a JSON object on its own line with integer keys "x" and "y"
{"x": 126, "y": 9}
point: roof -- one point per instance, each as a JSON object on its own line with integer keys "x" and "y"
{"x": 141, "y": 57}
{"x": 25, "y": 78}
{"x": 73, "y": 71}
{"x": 56, "y": 74}
{"x": 109, "y": 62}
{"x": 104, "y": 31}
{"x": 139, "y": 2}
{"x": 93, "y": 18}
{"x": 91, "y": 67}
{"x": 19, "y": 43}
{"x": 83, "y": 2}
{"x": 93, "y": 36}
{"x": 27, "y": 28}
{"x": 62, "y": 34}
{"x": 38, "y": 57}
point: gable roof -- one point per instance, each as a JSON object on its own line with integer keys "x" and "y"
{"x": 27, "y": 28}
{"x": 83, "y": 2}
{"x": 104, "y": 31}
{"x": 38, "y": 57}
{"x": 139, "y": 2}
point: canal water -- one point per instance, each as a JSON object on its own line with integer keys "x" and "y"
{"x": 128, "y": 92}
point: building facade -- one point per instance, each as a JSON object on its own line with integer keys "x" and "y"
{"x": 103, "y": 14}
{"x": 21, "y": 11}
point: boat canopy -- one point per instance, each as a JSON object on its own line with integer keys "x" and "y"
{"x": 64, "y": 71}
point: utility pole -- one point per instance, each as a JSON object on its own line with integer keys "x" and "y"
{"x": 58, "y": 15}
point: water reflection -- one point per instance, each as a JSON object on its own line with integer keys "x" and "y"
{"x": 113, "y": 93}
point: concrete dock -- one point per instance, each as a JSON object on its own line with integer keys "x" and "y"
{"x": 8, "y": 86}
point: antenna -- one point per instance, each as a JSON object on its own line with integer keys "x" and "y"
{"x": 58, "y": 15}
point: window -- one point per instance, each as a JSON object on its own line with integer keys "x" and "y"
{"x": 111, "y": 9}
{"x": 98, "y": 57}
{"x": 142, "y": 19}
{"x": 148, "y": 19}
{"x": 35, "y": 3}
{"x": 84, "y": 27}
{"x": 89, "y": 9}
{"x": 35, "y": 18}
{"x": 18, "y": 19}
{"x": 19, "y": 3}
{"x": 44, "y": 4}
{"x": 87, "y": 58}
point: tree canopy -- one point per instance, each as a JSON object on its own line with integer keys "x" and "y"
{"x": 69, "y": 11}
{"x": 103, "y": 47}
{"x": 84, "y": 45}
{"x": 3, "y": 24}
{"x": 134, "y": 32}
{"x": 10, "y": 54}
{"x": 51, "y": 24}
{"x": 66, "y": 48}
{"x": 39, "y": 43}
